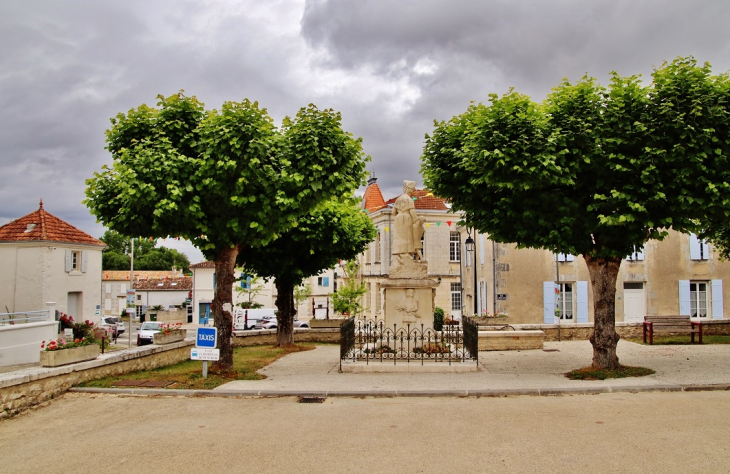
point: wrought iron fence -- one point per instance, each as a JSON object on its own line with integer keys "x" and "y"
{"x": 23, "y": 317}
{"x": 370, "y": 340}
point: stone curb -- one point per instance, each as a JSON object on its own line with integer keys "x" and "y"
{"x": 404, "y": 393}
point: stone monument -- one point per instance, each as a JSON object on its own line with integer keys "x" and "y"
{"x": 409, "y": 293}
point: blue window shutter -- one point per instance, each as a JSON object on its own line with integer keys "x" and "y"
{"x": 582, "y": 301}
{"x": 684, "y": 297}
{"x": 243, "y": 282}
{"x": 694, "y": 248}
{"x": 548, "y": 296}
{"x": 214, "y": 281}
{"x": 326, "y": 281}
{"x": 717, "y": 299}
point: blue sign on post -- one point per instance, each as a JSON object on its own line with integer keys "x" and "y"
{"x": 206, "y": 337}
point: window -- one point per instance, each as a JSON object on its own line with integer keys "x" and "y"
{"x": 323, "y": 281}
{"x": 76, "y": 261}
{"x": 245, "y": 281}
{"x": 698, "y": 299}
{"x": 423, "y": 246}
{"x": 377, "y": 248}
{"x": 698, "y": 249}
{"x": 456, "y": 296}
{"x": 455, "y": 248}
{"x": 637, "y": 255}
{"x": 565, "y": 302}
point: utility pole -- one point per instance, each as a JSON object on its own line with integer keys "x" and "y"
{"x": 131, "y": 287}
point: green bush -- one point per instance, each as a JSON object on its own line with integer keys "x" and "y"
{"x": 438, "y": 318}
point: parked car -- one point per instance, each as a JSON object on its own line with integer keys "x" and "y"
{"x": 113, "y": 325}
{"x": 146, "y": 332}
{"x": 269, "y": 322}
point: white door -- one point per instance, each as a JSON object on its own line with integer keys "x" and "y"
{"x": 73, "y": 305}
{"x": 634, "y": 303}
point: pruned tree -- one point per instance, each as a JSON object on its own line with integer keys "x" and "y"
{"x": 591, "y": 171}
{"x": 225, "y": 179}
{"x": 337, "y": 229}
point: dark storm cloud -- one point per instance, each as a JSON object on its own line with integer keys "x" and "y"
{"x": 457, "y": 51}
{"x": 391, "y": 68}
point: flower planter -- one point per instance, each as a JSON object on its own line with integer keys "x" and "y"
{"x": 175, "y": 336}
{"x": 69, "y": 356}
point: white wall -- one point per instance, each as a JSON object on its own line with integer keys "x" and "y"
{"x": 21, "y": 343}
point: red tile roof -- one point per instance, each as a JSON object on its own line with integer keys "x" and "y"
{"x": 373, "y": 198}
{"x": 425, "y": 200}
{"x": 41, "y": 226}
{"x": 203, "y": 265}
{"x": 138, "y": 274}
{"x": 177, "y": 284}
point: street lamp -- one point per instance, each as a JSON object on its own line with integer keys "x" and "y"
{"x": 471, "y": 248}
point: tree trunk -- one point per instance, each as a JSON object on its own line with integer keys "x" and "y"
{"x": 222, "y": 305}
{"x": 603, "y": 272}
{"x": 285, "y": 313}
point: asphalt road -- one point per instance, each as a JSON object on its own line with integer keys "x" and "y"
{"x": 623, "y": 433}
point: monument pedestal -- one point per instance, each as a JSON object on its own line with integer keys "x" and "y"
{"x": 409, "y": 301}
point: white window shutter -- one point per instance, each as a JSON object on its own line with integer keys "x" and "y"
{"x": 481, "y": 249}
{"x": 717, "y": 299}
{"x": 548, "y": 297}
{"x": 123, "y": 288}
{"x": 694, "y": 248}
{"x": 684, "y": 308}
{"x": 569, "y": 257}
{"x": 582, "y": 301}
{"x": 69, "y": 264}
{"x": 84, "y": 261}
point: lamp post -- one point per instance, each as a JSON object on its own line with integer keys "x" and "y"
{"x": 471, "y": 248}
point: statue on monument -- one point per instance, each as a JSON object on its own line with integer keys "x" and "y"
{"x": 407, "y": 232}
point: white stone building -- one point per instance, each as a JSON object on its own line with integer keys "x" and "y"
{"x": 44, "y": 259}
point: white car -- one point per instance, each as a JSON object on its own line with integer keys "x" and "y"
{"x": 269, "y": 322}
{"x": 147, "y": 331}
{"x": 113, "y": 325}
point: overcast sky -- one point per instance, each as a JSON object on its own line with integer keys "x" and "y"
{"x": 390, "y": 67}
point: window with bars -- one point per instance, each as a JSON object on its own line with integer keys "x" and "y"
{"x": 455, "y": 247}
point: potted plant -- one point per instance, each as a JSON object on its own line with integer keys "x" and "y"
{"x": 438, "y": 318}
{"x": 59, "y": 352}
{"x": 169, "y": 333}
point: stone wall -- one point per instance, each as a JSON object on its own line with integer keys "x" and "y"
{"x": 26, "y": 388}
{"x": 268, "y": 336}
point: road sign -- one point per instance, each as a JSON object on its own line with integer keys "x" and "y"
{"x": 207, "y": 338}
{"x": 198, "y": 353}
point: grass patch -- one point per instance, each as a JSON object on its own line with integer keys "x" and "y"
{"x": 189, "y": 374}
{"x": 592, "y": 373}
{"x": 682, "y": 340}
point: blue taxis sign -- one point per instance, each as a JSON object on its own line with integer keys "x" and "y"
{"x": 206, "y": 337}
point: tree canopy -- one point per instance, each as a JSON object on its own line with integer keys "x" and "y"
{"x": 146, "y": 256}
{"x": 224, "y": 179}
{"x": 593, "y": 171}
{"x": 336, "y": 230}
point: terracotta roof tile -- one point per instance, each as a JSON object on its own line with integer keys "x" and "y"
{"x": 203, "y": 265}
{"x": 138, "y": 274}
{"x": 181, "y": 283}
{"x": 373, "y": 198}
{"x": 41, "y": 226}
{"x": 425, "y": 200}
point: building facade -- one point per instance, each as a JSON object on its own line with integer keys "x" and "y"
{"x": 44, "y": 259}
{"x": 679, "y": 275}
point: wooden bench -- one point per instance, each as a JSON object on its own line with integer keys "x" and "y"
{"x": 672, "y": 324}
